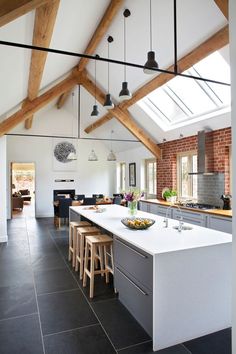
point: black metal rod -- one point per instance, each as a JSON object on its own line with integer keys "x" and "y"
{"x": 175, "y": 39}
{"x": 71, "y": 137}
{"x": 62, "y": 52}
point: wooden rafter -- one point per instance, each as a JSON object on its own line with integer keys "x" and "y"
{"x": 12, "y": 9}
{"x": 217, "y": 41}
{"x": 124, "y": 117}
{"x": 98, "y": 35}
{"x": 31, "y": 107}
{"x": 45, "y": 17}
{"x": 223, "y": 6}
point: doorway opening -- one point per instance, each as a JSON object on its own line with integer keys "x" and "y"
{"x": 22, "y": 189}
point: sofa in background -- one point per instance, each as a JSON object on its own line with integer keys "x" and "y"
{"x": 25, "y": 194}
{"x": 17, "y": 202}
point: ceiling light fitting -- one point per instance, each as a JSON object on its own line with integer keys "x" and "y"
{"x": 111, "y": 156}
{"x": 151, "y": 62}
{"x": 92, "y": 156}
{"x": 108, "y": 104}
{"x": 95, "y": 111}
{"x": 125, "y": 94}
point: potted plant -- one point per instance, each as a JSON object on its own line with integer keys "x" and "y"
{"x": 170, "y": 195}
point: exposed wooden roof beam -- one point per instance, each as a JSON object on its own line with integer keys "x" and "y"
{"x": 31, "y": 107}
{"x": 124, "y": 117}
{"x": 45, "y": 17}
{"x": 223, "y": 6}
{"x": 12, "y": 9}
{"x": 217, "y": 41}
{"x": 98, "y": 35}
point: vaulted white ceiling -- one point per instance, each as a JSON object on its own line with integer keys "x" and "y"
{"x": 75, "y": 24}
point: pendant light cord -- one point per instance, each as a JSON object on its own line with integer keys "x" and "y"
{"x": 108, "y": 68}
{"x": 95, "y": 81}
{"x": 175, "y": 38}
{"x": 124, "y": 48}
{"x": 150, "y": 8}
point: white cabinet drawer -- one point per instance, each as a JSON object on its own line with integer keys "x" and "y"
{"x": 190, "y": 217}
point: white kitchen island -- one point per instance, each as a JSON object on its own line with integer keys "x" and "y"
{"x": 176, "y": 284}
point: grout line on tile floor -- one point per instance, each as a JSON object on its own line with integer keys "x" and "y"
{"x": 36, "y": 299}
{"x": 134, "y": 345}
{"x": 186, "y": 348}
{"x": 15, "y": 317}
{"x": 85, "y": 296}
{"x": 59, "y": 292}
{"x": 70, "y": 330}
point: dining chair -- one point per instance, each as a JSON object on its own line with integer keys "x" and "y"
{"x": 98, "y": 196}
{"x": 89, "y": 201}
{"x": 117, "y": 200}
{"x": 61, "y": 211}
{"x": 79, "y": 196}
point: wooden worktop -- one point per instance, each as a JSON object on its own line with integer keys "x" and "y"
{"x": 219, "y": 212}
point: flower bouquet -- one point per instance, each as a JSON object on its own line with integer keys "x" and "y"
{"x": 132, "y": 197}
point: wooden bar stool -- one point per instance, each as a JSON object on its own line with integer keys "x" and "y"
{"x": 83, "y": 232}
{"x": 100, "y": 242}
{"x": 74, "y": 225}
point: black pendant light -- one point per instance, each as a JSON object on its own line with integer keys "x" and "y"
{"x": 95, "y": 111}
{"x": 125, "y": 94}
{"x": 151, "y": 62}
{"x": 108, "y": 104}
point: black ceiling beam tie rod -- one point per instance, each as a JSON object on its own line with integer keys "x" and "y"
{"x": 119, "y": 62}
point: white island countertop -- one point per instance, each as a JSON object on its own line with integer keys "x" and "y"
{"x": 157, "y": 239}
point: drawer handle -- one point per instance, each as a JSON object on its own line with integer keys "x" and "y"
{"x": 124, "y": 244}
{"x": 135, "y": 285}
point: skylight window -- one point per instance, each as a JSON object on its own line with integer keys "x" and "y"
{"x": 183, "y": 100}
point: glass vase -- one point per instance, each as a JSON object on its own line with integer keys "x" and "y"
{"x": 133, "y": 208}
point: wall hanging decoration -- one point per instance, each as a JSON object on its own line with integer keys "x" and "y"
{"x": 132, "y": 174}
{"x": 64, "y": 155}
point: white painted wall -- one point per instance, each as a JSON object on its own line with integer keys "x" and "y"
{"x": 232, "y": 18}
{"x": 137, "y": 155}
{"x": 3, "y": 192}
{"x": 89, "y": 177}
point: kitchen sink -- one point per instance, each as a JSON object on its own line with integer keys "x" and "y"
{"x": 183, "y": 228}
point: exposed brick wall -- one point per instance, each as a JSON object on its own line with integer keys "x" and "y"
{"x": 219, "y": 161}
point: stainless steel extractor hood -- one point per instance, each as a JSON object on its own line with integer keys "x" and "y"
{"x": 205, "y": 154}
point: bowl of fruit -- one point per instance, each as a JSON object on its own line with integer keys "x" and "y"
{"x": 138, "y": 223}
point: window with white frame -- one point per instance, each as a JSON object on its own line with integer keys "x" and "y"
{"x": 187, "y": 184}
{"x": 151, "y": 177}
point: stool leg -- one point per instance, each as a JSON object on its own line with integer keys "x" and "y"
{"x": 69, "y": 255}
{"x": 91, "y": 291}
{"x": 112, "y": 259}
{"x": 81, "y": 251}
{"x": 74, "y": 245}
{"x": 77, "y": 250}
{"x": 100, "y": 252}
{"x": 85, "y": 264}
{"x": 106, "y": 263}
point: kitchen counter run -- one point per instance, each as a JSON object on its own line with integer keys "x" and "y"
{"x": 219, "y": 212}
{"x": 157, "y": 239}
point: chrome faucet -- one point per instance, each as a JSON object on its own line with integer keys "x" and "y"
{"x": 180, "y": 220}
{"x": 166, "y": 219}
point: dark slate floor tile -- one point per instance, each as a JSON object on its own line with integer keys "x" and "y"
{"x": 102, "y": 291}
{"x": 15, "y": 272}
{"x": 14, "y": 250}
{"x": 48, "y": 281}
{"x": 215, "y": 343}
{"x": 121, "y": 327}
{"x": 64, "y": 311}
{"x": 17, "y": 300}
{"x": 59, "y": 233}
{"x": 47, "y": 261}
{"x": 42, "y": 248}
{"x": 20, "y": 335}
{"x": 89, "y": 340}
{"x": 146, "y": 348}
